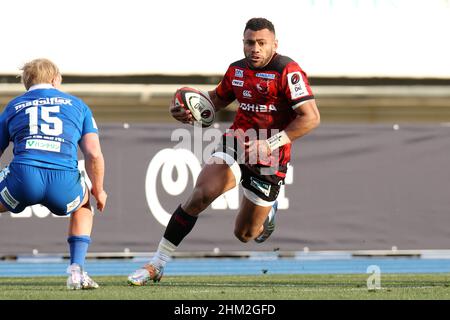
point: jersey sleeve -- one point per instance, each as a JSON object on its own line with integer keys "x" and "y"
{"x": 225, "y": 90}
{"x": 89, "y": 124}
{"x": 296, "y": 85}
{"x": 4, "y": 131}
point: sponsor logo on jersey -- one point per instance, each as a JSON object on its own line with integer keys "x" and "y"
{"x": 44, "y": 101}
{"x": 261, "y": 186}
{"x": 295, "y": 78}
{"x": 270, "y": 76}
{"x": 296, "y": 85}
{"x": 72, "y": 205}
{"x": 257, "y": 107}
{"x": 238, "y": 73}
{"x": 263, "y": 86}
{"x": 9, "y": 199}
{"x": 237, "y": 83}
{"x": 45, "y": 145}
{"x": 247, "y": 93}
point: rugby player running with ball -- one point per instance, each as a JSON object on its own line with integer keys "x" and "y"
{"x": 274, "y": 98}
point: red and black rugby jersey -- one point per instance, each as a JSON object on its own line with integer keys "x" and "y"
{"x": 267, "y": 97}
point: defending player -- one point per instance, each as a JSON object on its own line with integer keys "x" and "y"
{"x": 277, "y": 105}
{"x": 46, "y": 127}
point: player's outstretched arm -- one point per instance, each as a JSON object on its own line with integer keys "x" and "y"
{"x": 95, "y": 167}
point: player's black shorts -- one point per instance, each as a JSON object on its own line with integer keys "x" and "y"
{"x": 263, "y": 181}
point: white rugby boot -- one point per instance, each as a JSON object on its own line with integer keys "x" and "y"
{"x": 79, "y": 279}
{"x": 147, "y": 273}
{"x": 269, "y": 224}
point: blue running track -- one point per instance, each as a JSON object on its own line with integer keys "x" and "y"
{"x": 230, "y": 266}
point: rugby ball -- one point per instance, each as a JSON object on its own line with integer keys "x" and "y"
{"x": 198, "y": 103}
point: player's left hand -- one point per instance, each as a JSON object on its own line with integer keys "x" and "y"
{"x": 100, "y": 197}
{"x": 258, "y": 152}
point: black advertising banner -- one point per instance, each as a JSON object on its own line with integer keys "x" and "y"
{"x": 349, "y": 187}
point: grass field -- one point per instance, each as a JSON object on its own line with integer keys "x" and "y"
{"x": 262, "y": 287}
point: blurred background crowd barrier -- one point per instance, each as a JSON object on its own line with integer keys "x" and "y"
{"x": 369, "y": 100}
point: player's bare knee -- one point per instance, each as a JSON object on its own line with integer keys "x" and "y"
{"x": 242, "y": 236}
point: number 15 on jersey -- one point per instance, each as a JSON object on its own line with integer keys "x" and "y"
{"x": 49, "y": 125}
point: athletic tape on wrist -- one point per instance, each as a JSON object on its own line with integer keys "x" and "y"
{"x": 278, "y": 140}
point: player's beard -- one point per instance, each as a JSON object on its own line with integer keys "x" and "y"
{"x": 260, "y": 63}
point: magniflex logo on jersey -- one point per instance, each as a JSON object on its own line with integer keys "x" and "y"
{"x": 46, "y": 101}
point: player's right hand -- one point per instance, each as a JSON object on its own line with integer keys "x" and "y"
{"x": 101, "y": 199}
{"x": 181, "y": 114}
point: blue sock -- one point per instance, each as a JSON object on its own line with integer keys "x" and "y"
{"x": 78, "y": 248}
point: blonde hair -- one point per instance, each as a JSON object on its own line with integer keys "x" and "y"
{"x": 38, "y": 71}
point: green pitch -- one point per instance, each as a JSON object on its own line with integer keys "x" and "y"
{"x": 262, "y": 287}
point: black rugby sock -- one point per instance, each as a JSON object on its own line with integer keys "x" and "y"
{"x": 180, "y": 224}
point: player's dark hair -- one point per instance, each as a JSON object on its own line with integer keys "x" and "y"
{"x": 256, "y": 24}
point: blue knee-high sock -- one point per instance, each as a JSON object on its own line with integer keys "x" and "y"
{"x": 78, "y": 248}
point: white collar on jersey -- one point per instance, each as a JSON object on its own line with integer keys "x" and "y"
{"x": 41, "y": 86}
